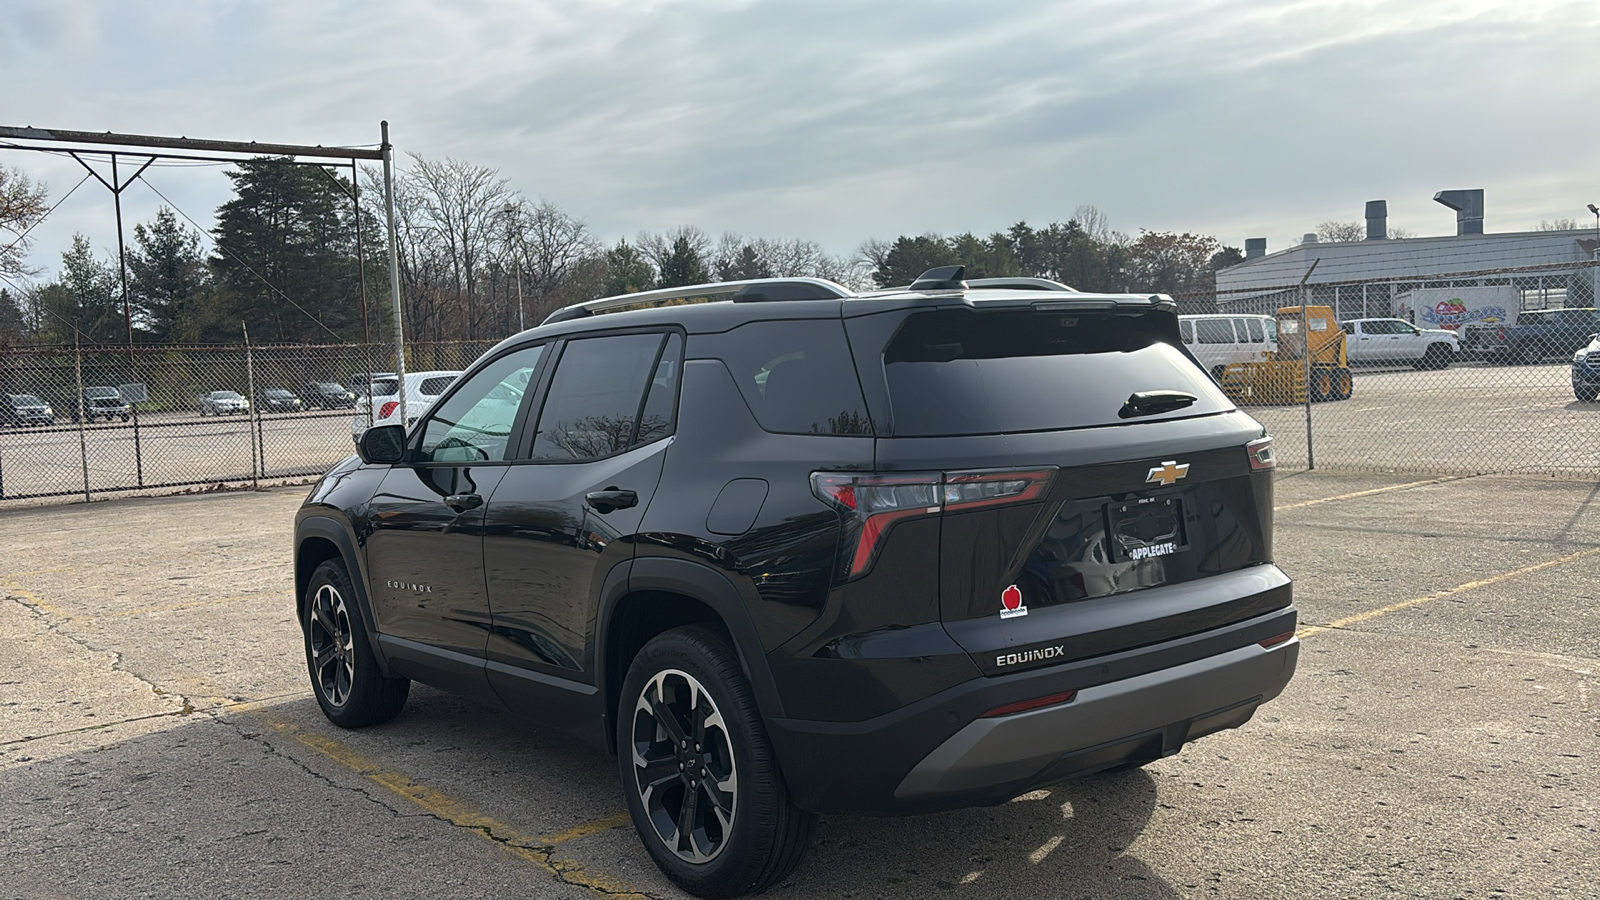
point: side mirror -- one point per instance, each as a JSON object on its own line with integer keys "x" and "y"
{"x": 383, "y": 445}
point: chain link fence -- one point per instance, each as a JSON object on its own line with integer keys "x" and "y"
{"x": 1455, "y": 373}
{"x": 1441, "y": 374}
{"x": 81, "y": 422}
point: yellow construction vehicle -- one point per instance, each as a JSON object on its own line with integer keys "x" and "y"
{"x": 1284, "y": 376}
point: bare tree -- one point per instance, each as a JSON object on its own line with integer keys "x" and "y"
{"x": 462, "y": 201}
{"x": 551, "y": 246}
{"x": 21, "y": 205}
{"x": 1561, "y": 225}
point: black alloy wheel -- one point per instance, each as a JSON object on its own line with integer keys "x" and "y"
{"x": 344, "y": 673}
{"x": 331, "y": 645}
{"x": 683, "y": 766}
{"x": 700, "y": 777}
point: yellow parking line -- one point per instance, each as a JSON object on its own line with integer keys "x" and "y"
{"x": 533, "y": 848}
{"x": 1447, "y": 592}
{"x": 1382, "y": 490}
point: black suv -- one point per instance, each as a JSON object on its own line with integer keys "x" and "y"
{"x": 25, "y": 409}
{"x": 796, "y": 550}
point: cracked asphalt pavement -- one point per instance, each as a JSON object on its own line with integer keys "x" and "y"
{"x": 1441, "y": 738}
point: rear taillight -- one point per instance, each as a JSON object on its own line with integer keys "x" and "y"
{"x": 1261, "y": 455}
{"x": 1275, "y": 640}
{"x": 387, "y": 409}
{"x": 871, "y": 504}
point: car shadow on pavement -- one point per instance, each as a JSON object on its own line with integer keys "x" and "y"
{"x": 1068, "y": 840}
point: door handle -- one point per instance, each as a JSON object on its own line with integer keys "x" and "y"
{"x": 611, "y": 499}
{"x": 463, "y": 502}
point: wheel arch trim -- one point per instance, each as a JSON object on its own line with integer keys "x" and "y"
{"x": 704, "y": 585}
{"x": 338, "y": 533}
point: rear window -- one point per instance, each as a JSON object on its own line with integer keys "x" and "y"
{"x": 959, "y": 372}
{"x": 385, "y": 387}
{"x": 433, "y": 387}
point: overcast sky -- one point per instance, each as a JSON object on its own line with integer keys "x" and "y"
{"x": 842, "y": 121}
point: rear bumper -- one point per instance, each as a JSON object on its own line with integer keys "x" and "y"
{"x": 1136, "y": 720}
{"x": 1131, "y": 707}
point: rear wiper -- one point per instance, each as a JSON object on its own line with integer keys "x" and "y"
{"x": 1149, "y": 403}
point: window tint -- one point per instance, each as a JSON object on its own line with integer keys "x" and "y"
{"x": 1214, "y": 331}
{"x": 438, "y": 384}
{"x": 1258, "y": 334}
{"x": 1186, "y": 328}
{"x": 475, "y": 423}
{"x": 594, "y": 399}
{"x": 385, "y": 387}
{"x": 955, "y": 372}
{"x": 660, "y": 405}
{"x": 797, "y": 376}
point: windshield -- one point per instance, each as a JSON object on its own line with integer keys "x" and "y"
{"x": 279, "y": 395}
{"x": 94, "y": 392}
{"x": 225, "y": 395}
{"x": 27, "y": 400}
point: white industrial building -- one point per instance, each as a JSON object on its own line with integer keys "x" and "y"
{"x": 1433, "y": 281}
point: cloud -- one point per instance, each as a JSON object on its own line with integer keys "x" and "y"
{"x": 840, "y": 121}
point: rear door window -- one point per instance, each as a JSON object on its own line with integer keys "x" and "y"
{"x": 593, "y": 406}
{"x": 961, "y": 372}
{"x": 1214, "y": 331}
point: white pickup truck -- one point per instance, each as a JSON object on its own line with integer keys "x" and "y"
{"x": 1396, "y": 342}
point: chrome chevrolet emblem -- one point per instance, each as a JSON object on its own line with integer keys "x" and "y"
{"x": 1167, "y": 473}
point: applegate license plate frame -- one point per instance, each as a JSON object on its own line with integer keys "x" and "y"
{"x": 1145, "y": 528}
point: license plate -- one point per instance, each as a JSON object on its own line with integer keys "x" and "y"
{"x": 1145, "y": 529}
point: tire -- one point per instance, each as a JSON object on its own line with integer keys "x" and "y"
{"x": 1321, "y": 386}
{"x": 1438, "y": 356}
{"x": 1343, "y": 384}
{"x": 1526, "y": 355}
{"x": 125, "y": 417}
{"x": 1586, "y": 394}
{"x": 344, "y": 673}
{"x": 685, "y": 682}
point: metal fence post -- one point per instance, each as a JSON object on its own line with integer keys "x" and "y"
{"x": 255, "y": 410}
{"x": 83, "y": 441}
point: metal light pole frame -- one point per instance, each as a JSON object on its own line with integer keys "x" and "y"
{"x": 153, "y": 147}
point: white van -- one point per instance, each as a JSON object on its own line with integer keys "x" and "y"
{"x": 1219, "y": 340}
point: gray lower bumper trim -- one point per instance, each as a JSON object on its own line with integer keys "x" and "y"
{"x": 1014, "y": 748}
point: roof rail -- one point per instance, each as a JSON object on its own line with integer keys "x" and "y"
{"x": 1019, "y": 284}
{"x": 752, "y": 291}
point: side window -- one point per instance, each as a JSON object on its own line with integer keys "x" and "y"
{"x": 797, "y": 376}
{"x": 661, "y": 404}
{"x": 595, "y": 397}
{"x": 1186, "y": 330}
{"x": 475, "y": 423}
{"x": 1257, "y": 334}
{"x": 1214, "y": 331}
{"x": 433, "y": 387}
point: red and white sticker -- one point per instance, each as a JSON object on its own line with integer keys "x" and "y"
{"x": 1011, "y": 603}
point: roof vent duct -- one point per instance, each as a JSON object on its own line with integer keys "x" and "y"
{"x": 1255, "y": 248}
{"x": 1377, "y": 220}
{"x": 1309, "y": 237}
{"x": 1468, "y": 206}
